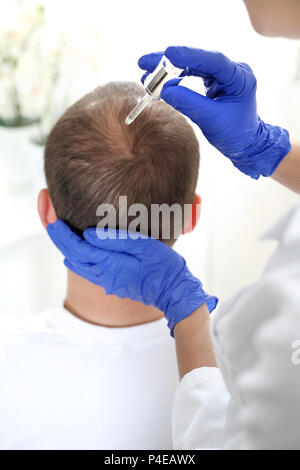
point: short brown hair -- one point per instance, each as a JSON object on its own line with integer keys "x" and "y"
{"x": 92, "y": 157}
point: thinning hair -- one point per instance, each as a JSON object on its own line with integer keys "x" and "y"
{"x": 92, "y": 157}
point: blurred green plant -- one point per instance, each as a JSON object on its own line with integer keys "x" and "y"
{"x": 14, "y": 44}
{"x": 46, "y": 121}
{"x": 44, "y": 65}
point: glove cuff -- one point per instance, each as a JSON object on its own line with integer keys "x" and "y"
{"x": 187, "y": 295}
{"x": 271, "y": 147}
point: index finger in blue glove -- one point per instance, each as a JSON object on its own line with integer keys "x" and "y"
{"x": 201, "y": 62}
{"x": 150, "y": 61}
{"x": 72, "y": 246}
{"x": 62, "y": 236}
{"x": 112, "y": 275}
{"x": 81, "y": 271}
{"x": 193, "y": 105}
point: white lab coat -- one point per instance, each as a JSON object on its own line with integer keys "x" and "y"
{"x": 253, "y": 400}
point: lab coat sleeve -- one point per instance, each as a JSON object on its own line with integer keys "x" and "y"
{"x": 265, "y": 393}
{"x": 256, "y": 338}
{"x": 199, "y": 410}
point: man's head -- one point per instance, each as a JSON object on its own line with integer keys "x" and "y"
{"x": 92, "y": 157}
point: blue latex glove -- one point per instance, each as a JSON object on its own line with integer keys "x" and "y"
{"x": 146, "y": 270}
{"x": 227, "y": 115}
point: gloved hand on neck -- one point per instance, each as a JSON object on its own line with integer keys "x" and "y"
{"x": 146, "y": 270}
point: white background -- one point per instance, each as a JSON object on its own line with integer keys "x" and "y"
{"x": 224, "y": 251}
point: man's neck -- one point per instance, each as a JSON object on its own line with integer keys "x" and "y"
{"x": 91, "y": 304}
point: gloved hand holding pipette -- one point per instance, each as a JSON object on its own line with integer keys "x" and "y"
{"x": 227, "y": 115}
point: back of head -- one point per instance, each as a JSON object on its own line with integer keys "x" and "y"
{"x": 92, "y": 157}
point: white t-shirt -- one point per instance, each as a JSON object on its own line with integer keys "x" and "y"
{"x": 68, "y": 384}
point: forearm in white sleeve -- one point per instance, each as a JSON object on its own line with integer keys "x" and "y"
{"x": 199, "y": 410}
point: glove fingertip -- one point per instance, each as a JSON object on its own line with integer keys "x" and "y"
{"x": 141, "y": 62}
{"x": 171, "y": 51}
{"x": 55, "y": 225}
{"x": 178, "y": 55}
{"x": 150, "y": 61}
{"x": 60, "y": 230}
{"x": 144, "y": 77}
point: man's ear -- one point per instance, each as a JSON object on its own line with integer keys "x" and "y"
{"x": 45, "y": 208}
{"x": 194, "y": 215}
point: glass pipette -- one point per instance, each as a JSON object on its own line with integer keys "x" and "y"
{"x": 154, "y": 83}
{"x": 138, "y": 109}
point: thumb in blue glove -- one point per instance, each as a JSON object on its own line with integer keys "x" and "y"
{"x": 227, "y": 115}
{"x": 145, "y": 270}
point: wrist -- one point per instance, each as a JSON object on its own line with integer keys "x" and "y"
{"x": 288, "y": 172}
{"x": 193, "y": 342}
{"x": 200, "y": 316}
{"x": 186, "y": 296}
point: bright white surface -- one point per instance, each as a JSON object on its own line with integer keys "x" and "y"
{"x": 257, "y": 345}
{"x": 32, "y": 275}
{"x": 199, "y": 410}
{"x": 224, "y": 250}
{"x": 61, "y": 382}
